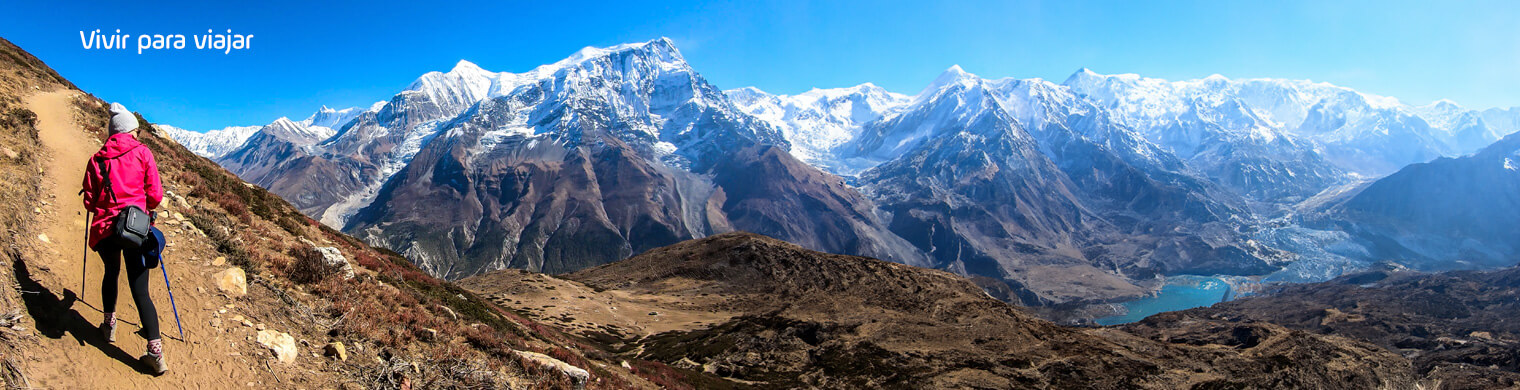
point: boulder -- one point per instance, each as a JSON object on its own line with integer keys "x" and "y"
{"x": 283, "y": 345}
{"x": 232, "y": 281}
{"x": 333, "y": 257}
{"x": 577, "y": 375}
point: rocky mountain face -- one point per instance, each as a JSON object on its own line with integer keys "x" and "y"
{"x": 583, "y": 162}
{"x": 1451, "y": 213}
{"x": 1456, "y": 328}
{"x": 764, "y": 313}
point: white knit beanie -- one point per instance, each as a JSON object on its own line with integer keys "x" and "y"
{"x": 122, "y": 119}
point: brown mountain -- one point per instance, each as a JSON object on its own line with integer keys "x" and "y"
{"x": 764, "y": 313}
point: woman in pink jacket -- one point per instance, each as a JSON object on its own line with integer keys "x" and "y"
{"x": 133, "y": 180}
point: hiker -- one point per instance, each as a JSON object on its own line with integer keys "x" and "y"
{"x": 124, "y": 174}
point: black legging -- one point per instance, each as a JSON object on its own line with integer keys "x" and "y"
{"x": 137, "y": 277}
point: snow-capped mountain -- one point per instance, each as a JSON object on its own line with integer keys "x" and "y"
{"x": 819, "y": 120}
{"x": 1019, "y": 181}
{"x": 217, "y": 143}
{"x": 1226, "y": 143}
{"x": 626, "y": 147}
{"x": 210, "y": 144}
{"x": 332, "y": 119}
{"x": 1053, "y": 192}
{"x": 1358, "y": 132}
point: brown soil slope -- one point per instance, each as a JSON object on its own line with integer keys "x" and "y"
{"x": 766, "y": 313}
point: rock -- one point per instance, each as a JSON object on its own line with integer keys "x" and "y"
{"x": 43, "y": 238}
{"x": 447, "y": 311}
{"x": 283, "y": 345}
{"x": 182, "y": 204}
{"x": 218, "y": 261}
{"x": 37, "y": 210}
{"x": 577, "y": 375}
{"x": 429, "y": 334}
{"x": 232, "y": 281}
{"x": 10, "y": 154}
{"x": 336, "y": 349}
{"x": 333, "y": 257}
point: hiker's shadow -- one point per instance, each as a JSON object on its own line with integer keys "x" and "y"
{"x": 57, "y": 317}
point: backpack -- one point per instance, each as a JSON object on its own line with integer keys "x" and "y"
{"x": 132, "y": 225}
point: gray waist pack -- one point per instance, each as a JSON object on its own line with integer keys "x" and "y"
{"x": 131, "y": 227}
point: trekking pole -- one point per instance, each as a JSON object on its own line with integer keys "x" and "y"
{"x": 84, "y": 258}
{"x": 165, "y": 268}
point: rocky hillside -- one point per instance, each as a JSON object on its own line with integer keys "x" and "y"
{"x": 268, "y": 297}
{"x": 764, "y": 313}
{"x": 1457, "y": 328}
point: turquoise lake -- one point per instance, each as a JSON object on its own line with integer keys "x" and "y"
{"x": 1185, "y": 292}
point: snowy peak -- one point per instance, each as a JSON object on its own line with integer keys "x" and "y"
{"x": 952, "y": 76}
{"x": 1081, "y": 76}
{"x": 335, "y": 119}
{"x": 660, "y": 51}
{"x": 748, "y": 96}
{"x": 459, "y": 88}
{"x": 210, "y": 144}
{"x": 296, "y": 132}
{"x": 467, "y": 67}
{"x": 817, "y": 121}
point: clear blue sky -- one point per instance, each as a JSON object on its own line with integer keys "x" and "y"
{"x": 348, "y": 54}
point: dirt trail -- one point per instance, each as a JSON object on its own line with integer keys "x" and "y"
{"x": 72, "y": 353}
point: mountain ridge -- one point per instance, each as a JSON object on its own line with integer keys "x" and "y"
{"x": 1119, "y": 179}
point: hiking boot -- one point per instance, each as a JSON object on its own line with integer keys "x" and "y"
{"x": 155, "y": 364}
{"x": 108, "y": 329}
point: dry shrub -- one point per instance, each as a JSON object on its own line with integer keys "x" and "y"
{"x": 308, "y": 266}
{"x": 660, "y": 374}
{"x": 234, "y": 206}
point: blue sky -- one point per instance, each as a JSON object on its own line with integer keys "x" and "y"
{"x": 351, "y": 54}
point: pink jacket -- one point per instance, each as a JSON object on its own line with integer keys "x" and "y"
{"x": 134, "y": 180}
